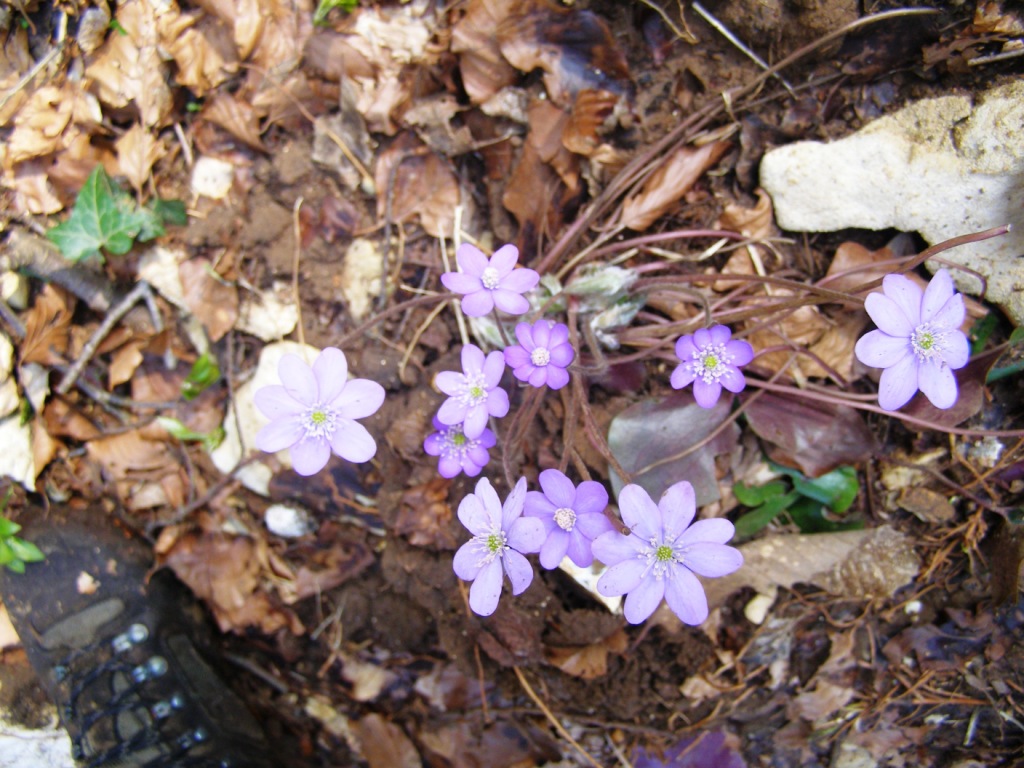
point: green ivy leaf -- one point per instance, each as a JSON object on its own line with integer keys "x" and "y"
{"x": 1017, "y": 336}
{"x": 26, "y": 550}
{"x": 753, "y": 496}
{"x": 752, "y": 522}
{"x": 836, "y": 489}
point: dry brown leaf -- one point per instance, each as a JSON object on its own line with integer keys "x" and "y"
{"x": 224, "y": 572}
{"x": 674, "y": 178}
{"x": 423, "y": 186}
{"x": 547, "y": 124}
{"x": 44, "y": 125}
{"x": 124, "y": 363}
{"x": 202, "y": 48}
{"x": 835, "y": 347}
{"x": 61, "y": 420}
{"x": 78, "y": 159}
{"x": 33, "y": 191}
{"x": 424, "y": 514}
{"x": 384, "y": 745}
{"x": 818, "y": 704}
{"x": 15, "y": 61}
{"x": 588, "y": 661}
{"x": 210, "y": 299}
{"x": 235, "y": 116}
{"x": 47, "y": 326}
{"x": 44, "y": 447}
{"x": 137, "y": 151}
{"x": 129, "y": 68}
{"x": 483, "y": 68}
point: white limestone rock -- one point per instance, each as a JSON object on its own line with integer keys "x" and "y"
{"x": 942, "y": 167}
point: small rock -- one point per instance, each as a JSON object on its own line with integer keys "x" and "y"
{"x": 287, "y": 521}
{"x": 212, "y": 178}
{"x": 943, "y": 167}
{"x": 926, "y": 505}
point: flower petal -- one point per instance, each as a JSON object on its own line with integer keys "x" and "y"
{"x": 512, "y": 509}
{"x": 880, "y": 350}
{"x": 460, "y": 282}
{"x": 678, "y": 507}
{"x": 951, "y": 314}
{"x": 938, "y": 384}
{"x": 706, "y": 393}
{"x": 297, "y": 378}
{"x": 557, "y": 377}
{"x": 360, "y": 398}
{"x": 579, "y": 550}
{"x": 639, "y": 512}
{"x": 353, "y": 442}
{"x": 554, "y": 549}
{"x": 520, "y": 280}
{"x": 685, "y": 596}
{"x": 591, "y": 498}
{"x": 472, "y": 359}
{"x": 713, "y": 560}
{"x": 478, "y": 303}
{"x": 492, "y": 504}
{"x": 280, "y": 434}
{"x": 542, "y": 333}
{"x": 740, "y": 351}
{"x": 558, "y": 488}
{"x": 448, "y": 467}
{"x": 613, "y": 548}
{"x": 451, "y": 383}
{"x": 720, "y": 334}
{"x": 682, "y": 376}
{"x": 906, "y": 294}
{"x": 620, "y": 578}
{"x": 732, "y": 379}
{"x": 497, "y": 403}
{"x": 888, "y": 315}
{"x": 493, "y": 368}
{"x": 685, "y": 348}
{"x": 310, "y": 455}
{"x": 717, "y": 530}
{"x": 701, "y": 338}
{"x": 538, "y": 505}
{"x": 452, "y": 412}
{"x": 473, "y": 514}
{"x": 559, "y": 336}
{"x": 471, "y": 260}
{"x": 486, "y": 589}
{"x": 275, "y": 402}
{"x": 524, "y": 333}
{"x": 898, "y": 384}
{"x": 643, "y": 600}
{"x": 516, "y": 356}
{"x": 956, "y": 350}
{"x": 474, "y": 423}
{"x": 467, "y": 561}
{"x": 519, "y": 571}
{"x": 593, "y": 524}
{"x": 504, "y": 259}
{"x": 330, "y": 369}
{"x": 939, "y": 291}
{"x": 561, "y": 355}
{"x": 510, "y": 302}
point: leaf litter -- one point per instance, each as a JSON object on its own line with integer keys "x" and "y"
{"x": 511, "y": 120}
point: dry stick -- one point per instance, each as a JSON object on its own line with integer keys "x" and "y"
{"x": 296, "y": 256}
{"x": 568, "y": 427}
{"x": 366, "y": 325}
{"x": 551, "y": 717}
{"x": 140, "y": 292}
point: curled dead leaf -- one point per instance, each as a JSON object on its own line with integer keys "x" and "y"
{"x": 137, "y": 150}
{"x": 418, "y": 183}
{"x": 210, "y": 298}
{"x": 475, "y": 38}
{"x": 47, "y": 327}
{"x": 588, "y": 661}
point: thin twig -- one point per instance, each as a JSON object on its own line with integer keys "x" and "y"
{"x": 552, "y": 719}
{"x": 297, "y": 228}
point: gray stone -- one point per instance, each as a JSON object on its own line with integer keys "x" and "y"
{"x": 942, "y": 167}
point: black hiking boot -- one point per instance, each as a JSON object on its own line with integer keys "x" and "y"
{"x": 117, "y": 654}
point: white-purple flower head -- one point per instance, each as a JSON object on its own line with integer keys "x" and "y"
{"x": 662, "y": 552}
{"x": 918, "y": 342}
{"x": 487, "y": 283}
{"x": 457, "y": 452}
{"x": 501, "y": 535}
{"x": 313, "y": 412}
{"x": 474, "y": 394}
{"x": 711, "y": 359}
{"x": 542, "y": 354}
{"x": 572, "y": 516}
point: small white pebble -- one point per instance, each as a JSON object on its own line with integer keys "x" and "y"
{"x": 913, "y": 608}
{"x": 288, "y": 522}
{"x": 212, "y": 178}
{"x": 757, "y": 608}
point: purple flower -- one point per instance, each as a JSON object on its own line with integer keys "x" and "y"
{"x": 572, "y": 516}
{"x": 458, "y": 453}
{"x": 918, "y": 342}
{"x": 474, "y": 394}
{"x": 314, "y": 412}
{"x": 542, "y": 354}
{"x": 711, "y": 361}
{"x": 500, "y": 537}
{"x": 486, "y": 284}
{"x": 660, "y": 555}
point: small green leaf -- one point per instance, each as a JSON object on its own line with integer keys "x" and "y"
{"x": 836, "y": 489}
{"x": 982, "y": 331}
{"x": 6, "y": 553}
{"x": 809, "y": 517}
{"x": 326, "y": 6}
{"x": 757, "y": 495}
{"x": 170, "y": 211}
{"x": 26, "y": 550}
{"x": 8, "y": 528}
{"x": 179, "y": 431}
{"x": 1017, "y": 336}
{"x": 1001, "y": 373}
{"x": 204, "y": 373}
{"x": 752, "y": 522}
{"x": 104, "y": 217}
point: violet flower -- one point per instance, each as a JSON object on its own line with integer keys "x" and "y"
{"x": 313, "y": 412}
{"x": 474, "y": 394}
{"x": 542, "y": 354}
{"x": 572, "y": 516}
{"x": 488, "y": 283}
{"x": 457, "y": 452}
{"x": 711, "y": 360}
{"x": 661, "y": 554}
{"x": 501, "y": 535}
{"x": 918, "y": 342}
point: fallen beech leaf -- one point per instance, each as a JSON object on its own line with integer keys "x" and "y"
{"x": 124, "y": 362}
{"x": 926, "y": 505}
{"x": 235, "y": 116}
{"x": 418, "y": 183}
{"x": 811, "y": 436}
{"x": 475, "y": 38}
{"x": 61, "y": 420}
{"x": 835, "y": 347}
{"x": 211, "y": 300}
{"x": 201, "y": 49}
{"x": 424, "y": 515}
{"x": 384, "y": 745}
{"x": 588, "y": 661}
{"x": 46, "y": 123}
{"x": 818, "y": 704}
{"x": 47, "y": 325}
{"x": 674, "y": 178}
{"x": 33, "y": 190}
{"x": 137, "y": 150}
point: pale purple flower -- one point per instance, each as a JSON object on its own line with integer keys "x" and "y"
{"x": 918, "y": 342}
{"x": 711, "y": 359}
{"x": 457, "y": 452}
{"x": 572, "y": 516}
{"x": 501, "y": 535}
{"x": 313, "y": 412}
{"x": 661, "y": 554}
{"x": 542, "y": 354}
{"x": 488, "y": 283}
{"x": 474, "y": 394}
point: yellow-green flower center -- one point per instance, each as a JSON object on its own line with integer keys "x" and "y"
{"x": 495, "y": 542}
{"x": 710, "y": 362}
{"x": 663, "y": 553}
{"x": 318, "y": 417}
{"x": 458, "y": 439}
{"x": 476, "y": 392}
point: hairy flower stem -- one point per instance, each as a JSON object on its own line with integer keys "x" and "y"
{"x": 517, "y": 428}
{"x": 501, "y": 327}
